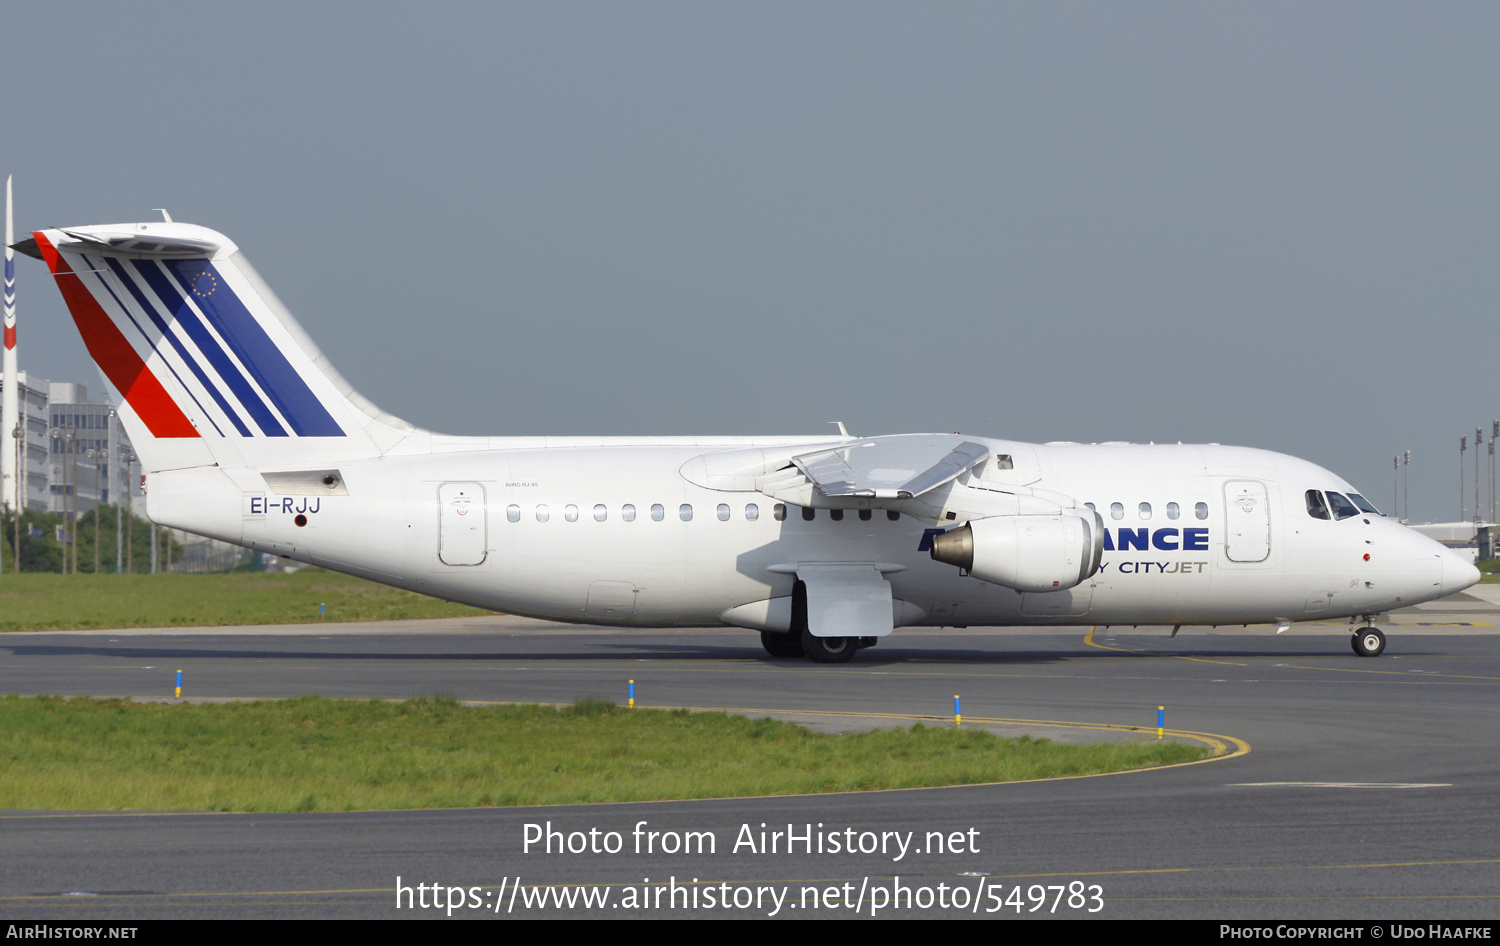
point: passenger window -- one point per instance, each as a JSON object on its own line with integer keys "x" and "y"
{"x": 1091, "y": 507}
{"x": 658, "y": 513}
{"x": 627, "y": 512}
{"x": 600, "y": 513}
{"x": 864, "y": 515}
{"x": 1004, "y": 462}
{"x": 752, "y": 512}
{"x": 837, "y": 515}
{"x": 1173, "y": 511}
{"x": 1201, "y": 510}
{"x": 809, "y": 513}
{"x": 1116, "y": 511}
{"x": 1144, "y": 509}
{"x": 1342, "y": 507}
{"x": 685, "y": 512}
{"x": 723, "y": 512}
{"x": 570, "y": 512}
{"x": 513, "y": 513}
{"x": 542, "y": 515}
{"x": 778, "y": 512}
{"x": 893, "y": 515}
{"x": 1315, "y": 505}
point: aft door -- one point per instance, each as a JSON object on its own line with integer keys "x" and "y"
{"x": 1247, "y": 515}
{"x": 461, "y": 526}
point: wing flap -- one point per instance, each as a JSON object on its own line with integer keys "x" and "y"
{"x": 890, "y": 468}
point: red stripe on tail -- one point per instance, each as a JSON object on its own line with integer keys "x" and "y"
{"x": 114, "y": 355}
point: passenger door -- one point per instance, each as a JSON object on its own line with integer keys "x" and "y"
{"x": 1247, "y": 521}
{"x": 461, "y": 524}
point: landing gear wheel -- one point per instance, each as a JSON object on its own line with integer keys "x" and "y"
{"x": 828, "y": 650}
{"x": 1369, "y": 642}
{"x": 781, "y": 645}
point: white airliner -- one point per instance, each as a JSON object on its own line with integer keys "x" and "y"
{"x": 823, "y": 544}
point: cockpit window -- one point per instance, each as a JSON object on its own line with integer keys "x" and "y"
{"x": 1364, "y": 504}
{"x": 1315, "y": 505}
{"x": 1342, "y": 507}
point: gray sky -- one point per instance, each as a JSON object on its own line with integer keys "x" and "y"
{"x": 1271, "y": 224}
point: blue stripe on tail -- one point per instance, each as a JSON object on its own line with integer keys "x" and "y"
{"x": 176, "y": 342}
{"x": 177, "y": 305}
{"x": 255, "y": 349}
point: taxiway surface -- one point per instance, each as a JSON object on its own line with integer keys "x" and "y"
{"x": 1369, "y": 789}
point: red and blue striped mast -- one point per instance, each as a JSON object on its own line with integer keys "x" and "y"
{"x": 11, "y": 434}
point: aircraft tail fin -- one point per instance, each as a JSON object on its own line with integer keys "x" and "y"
{"x": 209, "y": 366}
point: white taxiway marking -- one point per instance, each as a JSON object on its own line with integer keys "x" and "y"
{"x": 1339, "y": 785}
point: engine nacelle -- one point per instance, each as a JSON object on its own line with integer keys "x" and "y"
{"x": 1027, "y": 553}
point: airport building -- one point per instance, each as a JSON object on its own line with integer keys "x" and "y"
{"x": 1474, "y": 539}
{"x": 35, "y": 449}
{"x": 76, "y": 455}
{"x": 90, "y": 455}
{"x": 73, "y": 448}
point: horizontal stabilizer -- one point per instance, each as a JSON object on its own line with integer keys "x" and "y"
{"x": 137, "y": 244}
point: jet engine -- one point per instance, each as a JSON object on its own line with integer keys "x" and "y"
{"x": 1027, "y": 553}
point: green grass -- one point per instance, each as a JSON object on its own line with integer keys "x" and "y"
{"x": 1489, "y": 572}
{"x": 63, "y": 602}
{"x": 314, "y": 754}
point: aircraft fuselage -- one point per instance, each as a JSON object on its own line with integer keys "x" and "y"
{"x": 551, "y": 536}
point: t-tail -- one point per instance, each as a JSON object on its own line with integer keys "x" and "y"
{"x": 209, "y": 367}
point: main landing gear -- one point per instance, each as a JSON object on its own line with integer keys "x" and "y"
{"x": 781, "y": 645}
{"x": 828, "y": 650}
{"x": 1368, "y": 642}
{"x": 801, "y": 642}
{"x": 822, "y": 650}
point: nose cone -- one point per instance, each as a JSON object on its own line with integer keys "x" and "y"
{"x": 1458, "y": 573}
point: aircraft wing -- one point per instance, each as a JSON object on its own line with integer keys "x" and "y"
{"x": 894, "y": 467}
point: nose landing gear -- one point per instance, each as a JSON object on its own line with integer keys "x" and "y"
{"x": 1368, "y": 642}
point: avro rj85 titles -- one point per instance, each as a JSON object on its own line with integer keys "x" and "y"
{"x": 824, "y": 545}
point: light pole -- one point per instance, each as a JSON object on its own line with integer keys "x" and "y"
{"x": 98, "y": 457}
{"x": 114, "y": 421}
{"x": 127, "y": 458}
{"x": 19, "y": 436}
{"x": 71, "y": 438}
{"x": 56, "y": 434}
{"x": 1406, "y": 485}
{"x": 119, "y": 535}
{"x": 1463, "y": 446}
{"x": 1478, "y": 442}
